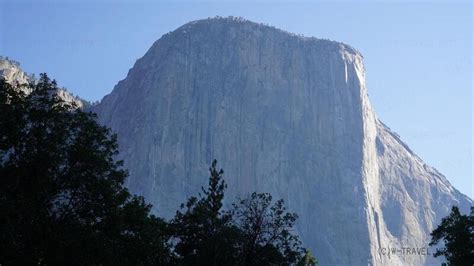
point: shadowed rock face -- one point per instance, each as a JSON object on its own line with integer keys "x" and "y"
{"x": 282, "y": 114}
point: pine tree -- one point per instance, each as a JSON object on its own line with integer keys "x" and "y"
{"x": 204, "y": 233}
{"x": 456, "y": 232}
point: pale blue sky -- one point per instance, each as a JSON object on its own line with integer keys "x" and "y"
{"x": 418, "y": 56}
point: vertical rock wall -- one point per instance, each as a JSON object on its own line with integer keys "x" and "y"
{"x": 282, "y": 114}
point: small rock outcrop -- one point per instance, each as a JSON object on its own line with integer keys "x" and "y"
{"x": 11, "y": 71}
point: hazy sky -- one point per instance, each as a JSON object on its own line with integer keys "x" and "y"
{"x": 418, "y": 56}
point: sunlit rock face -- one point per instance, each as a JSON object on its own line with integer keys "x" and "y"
{"x": 283, "y": 114}
{"x": 11, "y": 71}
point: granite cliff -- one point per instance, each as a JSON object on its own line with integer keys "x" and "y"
{"x": 283, "y": 114}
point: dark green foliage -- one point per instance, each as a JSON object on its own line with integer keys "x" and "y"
{"x": 253, "y": 232}
{"x": 266, "y": 231}
{"x": 456, "y": 232}
{"x": 204, "y": 234}
{"x": 62, "y": 199}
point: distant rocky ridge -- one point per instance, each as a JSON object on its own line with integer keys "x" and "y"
{"x": 11, "y": 71}
{"x": 283, "y": 114}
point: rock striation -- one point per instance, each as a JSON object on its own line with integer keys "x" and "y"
{"x": 283, "y": 114}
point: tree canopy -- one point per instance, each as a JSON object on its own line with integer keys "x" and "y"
{"x": 62, "y": 198}
{"x": 203, "y": 232}
{"x": 253, "y": 232}
{"x": 456, "y": 234}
